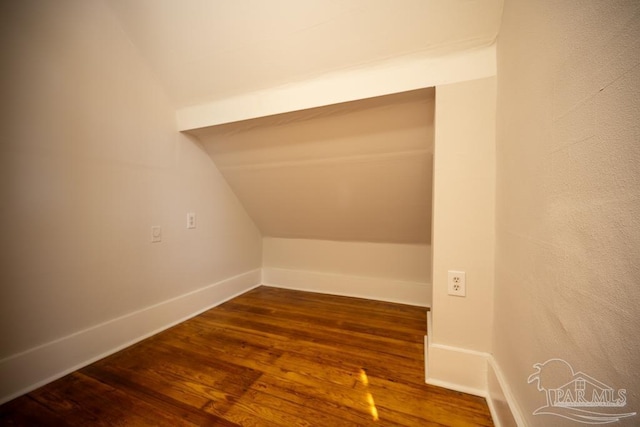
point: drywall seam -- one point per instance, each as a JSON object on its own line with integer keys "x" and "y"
{"x": 389, "y": 290}
{"x": 343, "y": 87}
{"x": 361, "y": 158}
{"x": 505, "y": 391}
{"x": 28, "y": 370}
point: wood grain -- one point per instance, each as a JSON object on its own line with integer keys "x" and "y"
{"x": 271, "y": 357}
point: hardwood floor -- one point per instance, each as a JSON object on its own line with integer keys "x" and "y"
{"x": 270, "y": 357}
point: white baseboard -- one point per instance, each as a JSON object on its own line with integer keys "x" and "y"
{"x": 457, "y": 369}
{"x": 502, "y": 404}
{"x": 471, "y": 372}
{"x": 389, "y": 290}
{"x": 454, "y": 368}
{"x": 28, "y": 370}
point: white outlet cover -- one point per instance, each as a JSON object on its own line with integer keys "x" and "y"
{"x": 191, "y": 220}
{"x": 156, "y": 234}
{"x": 456, "y": 283}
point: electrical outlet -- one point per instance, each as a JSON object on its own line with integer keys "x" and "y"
{"x": 457, "y": 283}
{"x": 191, "y": 220}
{"x": 156, "y": 234}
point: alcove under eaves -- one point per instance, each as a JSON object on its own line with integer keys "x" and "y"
{"x": 342, "y": 193}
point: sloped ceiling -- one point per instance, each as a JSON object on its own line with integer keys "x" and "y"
{"x": 359, "y": 171}
{"x": 205, "y": 50}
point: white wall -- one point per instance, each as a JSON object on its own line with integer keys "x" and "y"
{"x": 381, "y": 271}
{"x": 568, "y": 196}
{"x": 89, "y": 161}
{"x": 463, "y": 233}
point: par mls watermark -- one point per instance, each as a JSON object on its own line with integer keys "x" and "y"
{"x": 574, "y": 395}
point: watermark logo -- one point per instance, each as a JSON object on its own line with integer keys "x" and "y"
{"x": 574, "y": 395}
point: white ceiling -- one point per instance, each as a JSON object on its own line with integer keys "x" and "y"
{"x": 206, "y": 50}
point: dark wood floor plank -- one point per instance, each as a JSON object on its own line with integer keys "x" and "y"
{"x": 349, "y": 402}
{"x": 270, "y": 357}
{"x": 157, "y": 395}
{"x": 306, "y": 332}
{"x": 82, "y": 400}
{"x": 28, "y": 412}
{"x": 403, "y": 369}
{"x": 317, "y": 314}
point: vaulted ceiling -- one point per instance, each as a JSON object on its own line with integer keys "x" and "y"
{"x": 358, "y": 170}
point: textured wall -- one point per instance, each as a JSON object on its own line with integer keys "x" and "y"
{"x": 568, "y": 195}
